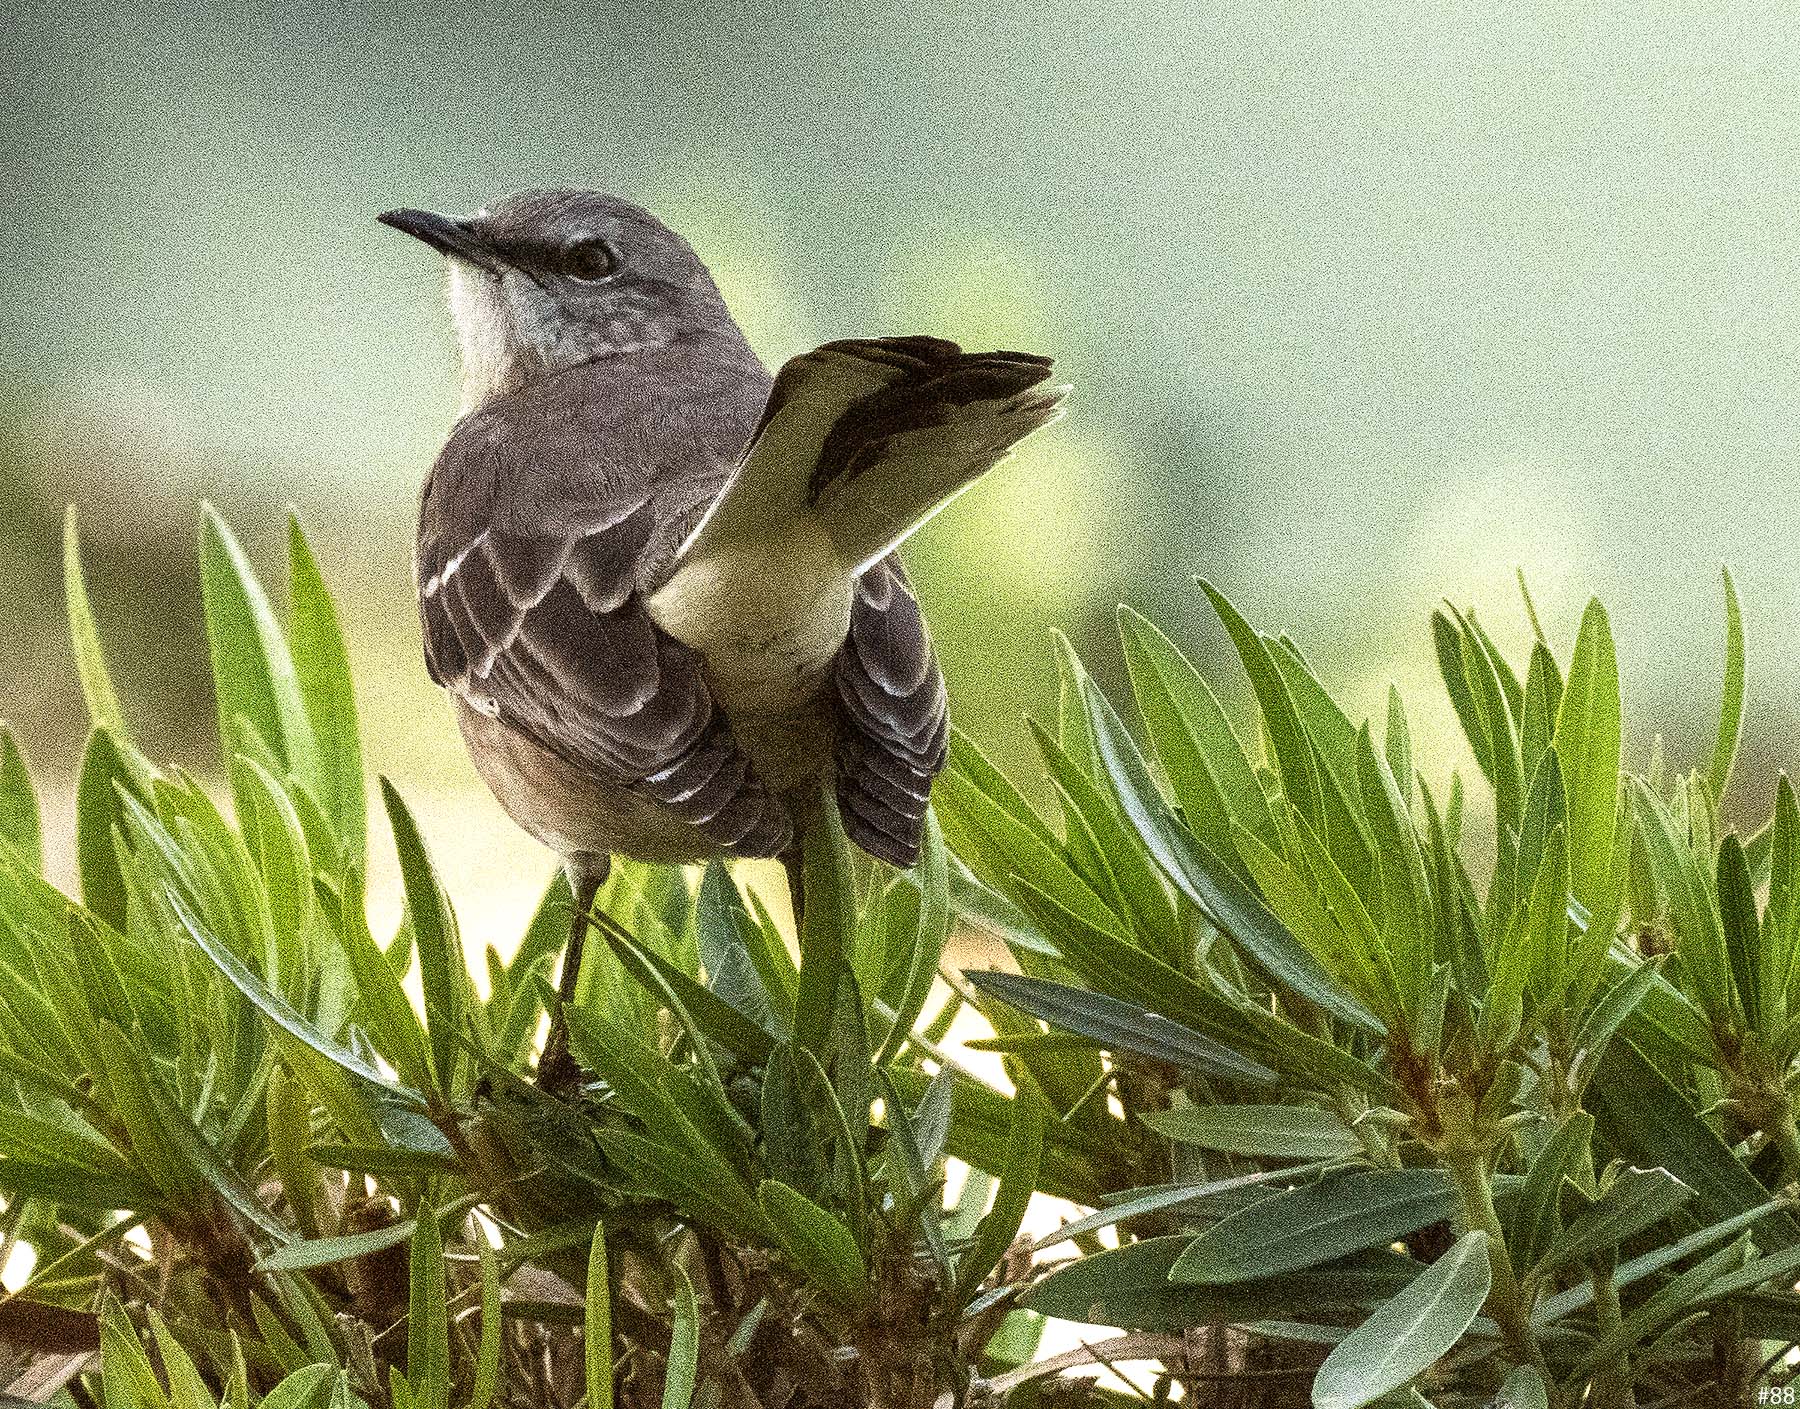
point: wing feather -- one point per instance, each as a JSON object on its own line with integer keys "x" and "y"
{"x": 541, "y": 624}
{"x": 893, "y": 717}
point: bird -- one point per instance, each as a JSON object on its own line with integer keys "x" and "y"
{"x": 662, "y": 586}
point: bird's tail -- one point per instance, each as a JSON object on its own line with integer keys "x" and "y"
{"x": 869, "y": 438}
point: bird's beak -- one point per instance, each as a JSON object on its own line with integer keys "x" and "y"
{"x": 447, "y": 235}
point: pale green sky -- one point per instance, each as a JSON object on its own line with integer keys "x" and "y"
{"x": 1363, "y": 304}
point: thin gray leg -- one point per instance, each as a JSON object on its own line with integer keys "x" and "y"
{"x": 558, "y": 1072}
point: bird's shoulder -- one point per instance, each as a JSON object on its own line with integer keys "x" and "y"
{"x": 576, "y": 451}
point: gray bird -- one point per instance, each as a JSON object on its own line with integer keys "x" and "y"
{"x": 661, "y": 586}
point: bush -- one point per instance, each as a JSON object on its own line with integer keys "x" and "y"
{"x": 1350, "y": 1124}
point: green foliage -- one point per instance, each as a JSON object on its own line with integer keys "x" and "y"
{"x": 1351, "y": 1081}
{"x": 1583, "y": 1062}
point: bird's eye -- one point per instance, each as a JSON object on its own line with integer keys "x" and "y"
{"x": 590, "y": 259}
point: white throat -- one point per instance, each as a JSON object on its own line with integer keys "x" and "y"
{"x": 490, "y": 363}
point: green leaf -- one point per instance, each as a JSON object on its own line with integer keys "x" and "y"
{"x": 828, "y": 923}
{"x": 1554, "y": 1308}
{"x": 1406, "y": 886}
{"x": 323, "y": 1252}
{"x": 982, "y": 826}
{"x": 300, "y": 1390}
{"x": 99, "y": 811}
{"x": 1537, "y": 1215}
{"x": 1523, "y": 1388}
{"x": 201, "y": 1155}
{"x": 1201, "y": 755}
{"x": 1674, "y": 1299}
{"x": 1406, "y": 1335}
{"x": 1271, "y": 1132}
{"x": 386, "y": 1012}
{"x": 1018, "y": 1178}
{"x": 90, "y": 664}
{"x": 187, "y": 1390}
{"x": 1587, "y": 743}
{"x": 322, "y": 675}
{"x": 1645, "y": 1117}
{"x": 443, "y": 971}
{"x": 126, "y": 1374}
{"x": 1636, "y": 1200}
{"x": 684, "y": 1346}
{"x": 597, "y": 1325}
{"x": 1109, "y": 853}
{"x": 1121, "y": 1027}
{"x": 487, "y": 1353}
{"x": 277, "y": 840}
{"x": 1613, "y": 1007}
{"x": 427, "y": 1321}
{"x": 915, "y": 1171}
{"x": 253, "y": 673}
{"x": 20, "y": 827}
{"x": 1105, "y": 959}
{"x": 1743, "y": 933}
{"x": 1396, "y": 742}
{"x": 1317, "y": 1223}
{"x": 1543, "y": 697}
{"x": 1223, "y": 897}
{"x": 1135, "y": 1205}
{"x": 932, "y": 876}
{"x": 701, "y": 1012}
{"x": 165, "y": 1160}
{"x": 1731, "y": 704}
{"x": 273, "y": 1007}
{"x": 1480, "y": 698}
{"x": 1293, "y": 752}
{"x": 1129, "y": 1287}
{"x": 729, "y": 937}
{"x": 1699, "y": 931}
{"x": 817, "y": 1241}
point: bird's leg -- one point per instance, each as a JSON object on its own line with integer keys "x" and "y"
{"x": 557, "y": 1071}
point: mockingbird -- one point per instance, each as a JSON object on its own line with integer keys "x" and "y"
{"x": 661, "y": 587}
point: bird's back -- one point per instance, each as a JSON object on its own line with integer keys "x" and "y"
{"x": 666, "y": 426}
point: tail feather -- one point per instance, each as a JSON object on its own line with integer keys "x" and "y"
{"x": 874, "y": 437}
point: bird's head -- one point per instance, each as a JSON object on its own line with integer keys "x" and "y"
{"x": 547, "y": 280}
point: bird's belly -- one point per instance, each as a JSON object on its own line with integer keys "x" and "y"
{"x": 767, "y": 619}
{"x": 569, "y": 809}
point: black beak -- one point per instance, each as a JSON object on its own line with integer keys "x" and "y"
{"x": 447, "y": 235}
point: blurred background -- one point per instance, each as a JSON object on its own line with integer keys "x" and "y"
{"x": 1364, "y": 307}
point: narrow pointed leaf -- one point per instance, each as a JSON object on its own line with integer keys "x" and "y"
{"x": 597, "y": 1326}
{"x": 1018, "y": 1178}
{"x": 1637, "y": 1199}
{"x": 817, "y": 1241}
{"x": 1122, "y": 1027}
{"x": 443, "y": 970}
{"x": 20, "y": 827}
{"x": 1587, "y": 742}
{"x": 1271, "y": 1132}
{"x": 1293, "y": 752}
{"x": 1317, "y": 1223}
{"x": 90, "y": 664}
{"x": 1223, "y": 897}
{"x": 322, "y": 676}
{"x": 428, "y": 1328}
{"x": 1406, "y": 1335}
{"x": 684, "y": 1346}
{"x": 1731, "y": 703}
{"x": 253, "y": 671}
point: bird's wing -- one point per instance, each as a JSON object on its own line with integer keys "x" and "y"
{"x": 871, "y": 437}
{"x": 534, "y": 617}
{"x": 893, "y": 718}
